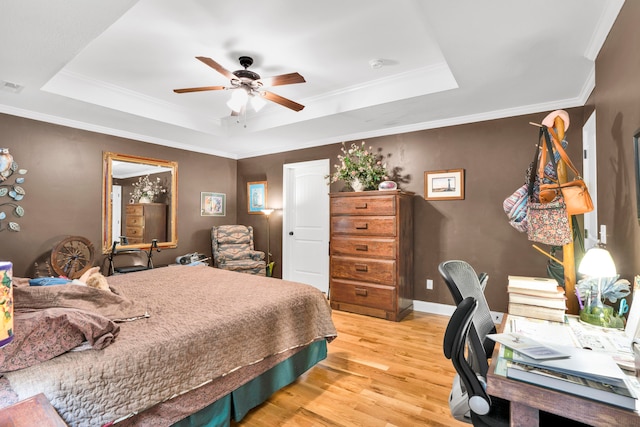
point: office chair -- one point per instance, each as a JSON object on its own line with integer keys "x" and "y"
{"x": 462, "y": 281}
{"x": 469, "y": 401}
{"x": 474, "y": 404}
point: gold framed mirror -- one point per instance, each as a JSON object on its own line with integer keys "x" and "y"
{"x": 139, "y": 201}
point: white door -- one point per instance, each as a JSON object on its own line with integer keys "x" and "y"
{"x": 116, "y": 212}
{"x": 305, "y": 223}
{"x": 589, "y": 174}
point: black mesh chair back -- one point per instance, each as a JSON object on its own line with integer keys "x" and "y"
{"x": 463, "y": 282}
{"x": 484, "y": 410}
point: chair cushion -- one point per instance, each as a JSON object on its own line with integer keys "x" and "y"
{"x": 245, "y": 266}
{"x": 233, "y": 234}
{"x": 232, "y": 251}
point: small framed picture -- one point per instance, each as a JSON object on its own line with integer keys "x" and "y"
{"x": 213, "y": 204}
{"x": 444, "y": 185}
{"x": 256, "y": 196}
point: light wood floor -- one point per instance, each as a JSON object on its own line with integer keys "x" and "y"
{"x": 377, "y": 373}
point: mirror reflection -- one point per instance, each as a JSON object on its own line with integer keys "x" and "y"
{"x": 139, "y": 201}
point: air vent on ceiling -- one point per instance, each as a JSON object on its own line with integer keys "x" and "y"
{"x": 10, "y": 87}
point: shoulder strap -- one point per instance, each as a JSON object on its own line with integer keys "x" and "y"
{"x": 563, "y": 154}
{"x": 543, "y": 154}
{"x": 534, "y": 165}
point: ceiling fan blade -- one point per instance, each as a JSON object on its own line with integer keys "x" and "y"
{"x": 199, "y": 89}
{"x": 282, "y": 101}
{"x": 284, "y": 79}
{"x": 219, "y": 68}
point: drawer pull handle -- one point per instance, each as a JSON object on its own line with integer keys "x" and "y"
{"x": 363, "y": 248}
{"x": 362, "y": 267}
{"x": 361, "y": 292}
{"x": 362, "y": 226}
{"x": 362, "y": 206}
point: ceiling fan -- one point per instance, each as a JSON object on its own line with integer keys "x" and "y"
{"x": 249, "y": 85}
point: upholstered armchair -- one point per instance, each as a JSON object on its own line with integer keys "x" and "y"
{"x": 232, "y": 247}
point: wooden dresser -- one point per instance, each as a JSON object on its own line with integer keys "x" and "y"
{"x": 371, "y": 253}
{"x": 145, "y": 222}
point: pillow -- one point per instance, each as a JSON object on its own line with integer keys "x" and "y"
{"x": 48, "y": 281}
{"x": 44, "y": 334}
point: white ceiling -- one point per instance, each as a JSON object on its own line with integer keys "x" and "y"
{"x": 111, "y": 66}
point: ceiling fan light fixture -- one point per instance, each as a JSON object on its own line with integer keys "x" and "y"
{"x": 257, "y": 102}
{"x": 238, "y": 99}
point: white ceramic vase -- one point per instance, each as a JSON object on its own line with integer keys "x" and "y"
{"x": 144, "y": 199}
{"x": 357, "y": 185}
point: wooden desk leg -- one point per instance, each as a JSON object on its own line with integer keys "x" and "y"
{"x": 524, "y": 416}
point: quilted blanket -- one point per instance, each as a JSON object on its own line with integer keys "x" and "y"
{"x": 204, "y": 324}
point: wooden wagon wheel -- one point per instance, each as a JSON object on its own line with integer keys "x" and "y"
{"x": 72, "y": 257}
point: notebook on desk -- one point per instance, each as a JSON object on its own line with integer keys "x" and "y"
{"x": 611, "y": 341}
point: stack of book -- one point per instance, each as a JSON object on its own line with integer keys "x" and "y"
{"x": 536, "y": 297}
{"x": 586, "y": 373}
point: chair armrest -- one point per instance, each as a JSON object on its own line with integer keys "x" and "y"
{"x": 257, "y": 255}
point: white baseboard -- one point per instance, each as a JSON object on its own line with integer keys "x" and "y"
{"x": 434, "y": 308}
{"x": 447, "y": 310}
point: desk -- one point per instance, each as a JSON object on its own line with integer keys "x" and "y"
{"x": 528, "y": 399}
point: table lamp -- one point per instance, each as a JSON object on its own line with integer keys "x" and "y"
{"x": 6, "y": 303}
{"x": 598, "y": 264}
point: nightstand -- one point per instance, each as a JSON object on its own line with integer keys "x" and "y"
{"x": 34, "y": 411}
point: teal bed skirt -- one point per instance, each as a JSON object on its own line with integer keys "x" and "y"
{"x": 246, "y": 397}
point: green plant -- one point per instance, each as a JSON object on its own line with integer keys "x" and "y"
{"x": 358, "y": 162}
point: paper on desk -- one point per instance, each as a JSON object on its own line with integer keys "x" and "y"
{"x": 528, "y": 346}
{"x": 596, "y": 366}
{"x": 550, "y": 333}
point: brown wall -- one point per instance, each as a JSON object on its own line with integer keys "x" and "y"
{"x": 63, "y": 195}
{"x": 494, "y": 154}
{"x": 65, "y": 174}
{"x": 616, "y": 100}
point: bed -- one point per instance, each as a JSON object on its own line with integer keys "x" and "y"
{"x": 192, "y": 344}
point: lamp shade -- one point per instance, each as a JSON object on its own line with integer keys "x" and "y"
{"x": 6, "y": 303}
{"x": 238, "y": 99}
{"x": 597, "y": 262}
{"x": 267, "y": 212}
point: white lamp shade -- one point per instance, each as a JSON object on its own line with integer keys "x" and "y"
{"x": 257, "y": 102}
{"x": 238, "y": 100}
{"x": 267, "y": 212}
{"x": 597, "y": 262}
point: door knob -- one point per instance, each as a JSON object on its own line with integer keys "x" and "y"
{"x": 291, "y": 233}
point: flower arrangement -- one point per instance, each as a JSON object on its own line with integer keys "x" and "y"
{"x": 145, "y": 188}
{"x": 359, "y": 166}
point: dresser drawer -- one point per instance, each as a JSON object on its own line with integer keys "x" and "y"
{"x": 364, "y": 225}
{"x": 366, "y": 269}
{"x": 135, "y": 221}
{"x": 364, "y": 294}
{"x": 367, "y": 247}
{"x": 134, "y": 210}
{"x": 363, "y": 205}
{"x": 133, "y": 232}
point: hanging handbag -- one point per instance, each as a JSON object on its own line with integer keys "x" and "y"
{"x": 548, "y": 223}
{"x": 574, "y": 193}
{"x": 515, "y": 206}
